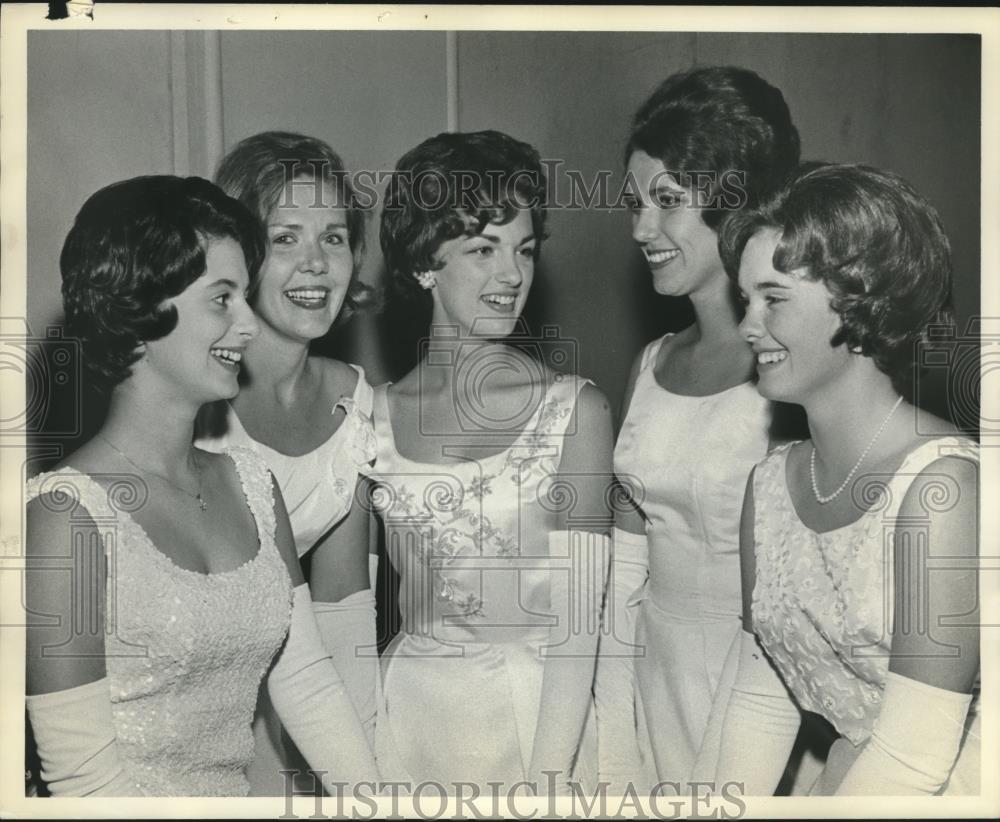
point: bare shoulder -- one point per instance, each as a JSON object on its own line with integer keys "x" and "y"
{"x": 339, "y": 379}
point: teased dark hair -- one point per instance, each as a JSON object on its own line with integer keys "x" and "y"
{"x": 452, "y": 185}
{"x": 256, "y": 170}
{"x": 720, "y": 120}
{"x": 874, "y": 242}
{"x": 133, "y": 245}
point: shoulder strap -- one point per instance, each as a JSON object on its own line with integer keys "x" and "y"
{"x": 69, "y": 490}
{"x": 918, "y": 460}
{"x": 255, "y": 479}
{"x": 558, "y": 405}
{"x": 650, "y": 352}
{"x": 363, "y": 392}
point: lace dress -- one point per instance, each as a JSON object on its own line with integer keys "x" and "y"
{"x": 462, "y": 681}
{"x": 318, "y": 489}
{"x": 185, "y": 652}
{"x": 692, "y": 456}
{"x": 823, "y": 604}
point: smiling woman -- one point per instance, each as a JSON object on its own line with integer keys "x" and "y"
{"x": 308, "y": 417}
{"x": 492, "y": 478}
{"x": 201, "y": 593}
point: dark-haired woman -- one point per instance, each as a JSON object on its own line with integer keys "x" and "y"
{"x": 707, "y": 142}
{"x": 858, "y": 545}
{"x": 184, "y": 585}
{"x": 492, "y": 477}
{"x": 308, "y": 416}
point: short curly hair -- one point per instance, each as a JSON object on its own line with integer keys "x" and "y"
{"x": 452, "y": 185}
{"x": 134, "y": 245}
{"x": 720, "y": 120}
{"x": 873, "y": 241}
{"x": 256, "y": 171}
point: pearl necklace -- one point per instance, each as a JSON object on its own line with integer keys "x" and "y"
{"x": 812, "y": 461}
{"x": 197, "y": 497}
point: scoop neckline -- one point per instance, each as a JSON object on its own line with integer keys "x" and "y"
{"x": 790, "y": 503}
{"x": 323, "y": 445}
{"x": 391, "y": 434}
{"x": 651, "y": 369}
{"x": 130, "y": 521}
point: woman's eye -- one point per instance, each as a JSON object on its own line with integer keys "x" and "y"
{"x": 222, "y": 299}
{"x": 283, "y": 239}
{"x": 770, "y": 299}
{"x": 482, "y": 250}
{"x": 667, "y": 200}
{"x": 334, "y": 239}
{"x": 527, "y": 251}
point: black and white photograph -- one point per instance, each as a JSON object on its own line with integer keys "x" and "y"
{"x": 499, "y": 411}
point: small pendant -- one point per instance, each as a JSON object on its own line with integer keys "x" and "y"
{"x": 202, "y": 503}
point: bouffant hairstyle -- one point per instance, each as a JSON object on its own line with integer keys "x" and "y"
{"x": 453, "y": 185}
{"x": 874, "y": 242}
{"x": 257, "y": 170}
{"x": 723, "y": 121}
{"x": 134, "y": 245}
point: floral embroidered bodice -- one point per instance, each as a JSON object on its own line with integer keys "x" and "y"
{"x": 185, "y": 651}
{"x": 823, "y": 602}
{"x": 318, "y": 487}
{"x": 447, "y": 523}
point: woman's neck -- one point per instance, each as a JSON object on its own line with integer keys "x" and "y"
{"x": 276, "y": 367}
{"x": 156, "y": 432}
{"x": 716, "y": 313}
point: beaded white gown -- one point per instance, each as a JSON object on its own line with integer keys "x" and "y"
{"x": 462, "y": 681}
{"x": 185, "y": 652}
{"x": 823, "y": 605}
{"x": 691, "y": 457}
{"x": 318, "y": 489}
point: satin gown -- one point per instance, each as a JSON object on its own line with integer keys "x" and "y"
{"x": 462, "y": 681}
{"x": 690, "y": 457}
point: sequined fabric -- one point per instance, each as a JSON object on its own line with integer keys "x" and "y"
{"x": 462, "y": 681}
{"x": 823, "y": 602}
{"x": 185, "y": 651}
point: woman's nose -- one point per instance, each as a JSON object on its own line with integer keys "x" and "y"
{"x": 313, "y": 259}
{"x": 644, "y": 225}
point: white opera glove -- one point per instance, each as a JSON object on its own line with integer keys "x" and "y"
{"x": 578, "y": 562}
{"x": 619, "y": 759}
{"x": 914, "y": 743}
{"x": 75, "y": 735}
{"x": 347, "y": 628}
{"x": 314, "y": 705}
{"x": 760, "y": 724}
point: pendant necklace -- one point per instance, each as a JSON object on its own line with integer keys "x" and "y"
{"x": 197, "y": 497}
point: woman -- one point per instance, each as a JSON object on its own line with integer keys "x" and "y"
{"x": 707, "y": 142}
{"x": 480, "y": 448}
{"x": 154, "y": 693}
{"x": 309, "y": 417}
{"x": 842, "y": 274}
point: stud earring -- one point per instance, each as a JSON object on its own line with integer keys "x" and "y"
{"x": 427, "y": 279}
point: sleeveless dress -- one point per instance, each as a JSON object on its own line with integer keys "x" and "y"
{"x": 318, "y": 489}
{"x": 690, "y": 458}
{"x": 462, "y": 681}
{"x": 185, "y": 652}
{"x": 823, "y": 604}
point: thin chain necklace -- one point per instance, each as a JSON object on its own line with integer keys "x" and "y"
{"x": 812, "y": 461}
{"x": 197, "y": 497}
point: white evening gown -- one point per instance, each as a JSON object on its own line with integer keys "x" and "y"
{"x": 690, "y": 457}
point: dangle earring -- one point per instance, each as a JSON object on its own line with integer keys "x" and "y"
{"x": 427, "y": 279}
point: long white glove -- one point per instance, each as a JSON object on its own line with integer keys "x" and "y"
{"x": 314, "y": 705}
{"x": 914, "y": 743}
{"x": 579, "y": 562}
{"x": 348, "y": 632}
{"x": 760, "y": 725}
{"x": 74, "y": 732}
{"x": 619, "y": 759}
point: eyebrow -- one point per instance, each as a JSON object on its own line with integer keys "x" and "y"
{"x": 299, "y": 226}
{"x": 770, "y": 284}
{"x": 493, "y": 238}
{"x": 224, "y": 281}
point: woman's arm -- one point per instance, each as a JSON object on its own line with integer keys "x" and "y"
{"x": 580, "y": 545}
{"x": 69, "y": 700}
{"x": 935, "y": 638}
{"x": 760, "y": 721}
{"x": 344, "y": 606}
{"x": 306, "y": 689}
